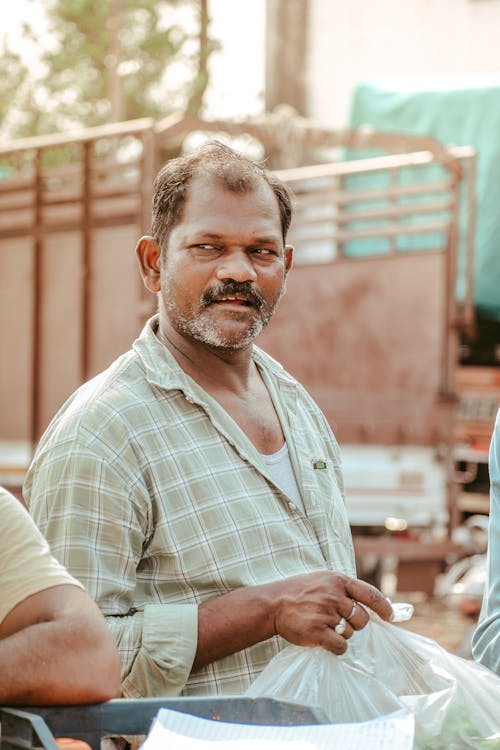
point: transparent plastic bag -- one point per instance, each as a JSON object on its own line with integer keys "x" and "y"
{"x": 456, "y": 702}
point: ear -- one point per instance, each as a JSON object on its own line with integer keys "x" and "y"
{"x": 148, "y": 255}
{"x": 288, "y": 258}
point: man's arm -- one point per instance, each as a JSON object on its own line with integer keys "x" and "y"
{"x": 98, "y": 529}
{"x": 304, "y": 610}
{"x": 55, "y": 648}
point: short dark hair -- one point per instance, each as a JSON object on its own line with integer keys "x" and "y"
{"x": 237, "y": 173}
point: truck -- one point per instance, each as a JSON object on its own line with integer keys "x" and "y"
{"x": 459, "y": 111}
{"x": 371, "y": 323}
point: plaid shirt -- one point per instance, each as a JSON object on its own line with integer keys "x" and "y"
{"x": 155, "y": 499}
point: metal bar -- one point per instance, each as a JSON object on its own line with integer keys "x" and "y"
{"x": 300, "y": 260}
{"x": 395, "y": 210}
{"x": 406, "y": 549}
{"x": 130, "y": 127}
{"x": 391, "y": 230}
{"x": 358, "y": 196}
{"x": 14, "y": 185}
{"x": 105, "y": 195}
{"x": 108, "y": 167}
{"x": 450, "y": 357}
{"x": 37, "y": 301}
{"x": 119, "y": 219}
{"x": 376, "y": 213}
{"x": 450, "y": 318}
{"x": 470, "y": 181}
{"x": 86, "y": 219}
{"x": 148, "y": 169}
{"x": 415, "y": 209}
{"x": 146, "y": 302}
{"x": 6, "y": 206}
{"x": 358, "y": 166}
{"x": 24, "y": 730}
{"x": 134, "y": 717}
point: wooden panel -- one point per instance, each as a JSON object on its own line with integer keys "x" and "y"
{"x": 15, "y": 338}
{"x": 61, "y": 321}
{"x": 115, "y": 294}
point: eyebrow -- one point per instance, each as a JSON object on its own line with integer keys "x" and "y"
{"x": 267, "y": 240}
{"x": 264, "y": 240}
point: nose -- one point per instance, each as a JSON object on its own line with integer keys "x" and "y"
{"x": 236, "y": 265}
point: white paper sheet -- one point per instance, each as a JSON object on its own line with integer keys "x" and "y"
{"x": 173, "y": 730}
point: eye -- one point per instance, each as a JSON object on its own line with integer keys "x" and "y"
{"x": 205, "y": 249}
{"x": 262, "y": 251}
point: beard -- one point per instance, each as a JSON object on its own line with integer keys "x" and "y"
{"x": 235, "y": 332}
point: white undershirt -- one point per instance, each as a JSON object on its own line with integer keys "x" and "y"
{"x": 281, "y": 470}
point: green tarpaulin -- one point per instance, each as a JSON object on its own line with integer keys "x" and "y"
{"x": 461, "y": 112}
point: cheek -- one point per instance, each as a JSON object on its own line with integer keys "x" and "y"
{"x": 273, "y": 285}
{"x": 181, "y": 292}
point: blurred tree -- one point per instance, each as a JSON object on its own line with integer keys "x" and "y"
{"x": 107, "y": 60}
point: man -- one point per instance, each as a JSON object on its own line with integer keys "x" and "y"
{"x": 194, "y": 487}
{"x": 486, "y": 638}
{"x": 55, "y": 646}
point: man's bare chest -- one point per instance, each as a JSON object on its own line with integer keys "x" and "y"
{"x": 256, "y": 416}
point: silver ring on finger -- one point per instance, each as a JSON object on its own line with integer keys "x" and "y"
{"x": 353, "y": 612}
{"x": 341, "y": 626}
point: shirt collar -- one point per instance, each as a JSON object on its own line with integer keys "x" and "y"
{"x": 163, "y": 370}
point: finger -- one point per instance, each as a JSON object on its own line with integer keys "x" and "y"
{"x": 337, "y": 644}
{"x": 357, "y": 616}
{"x": 366, "y": 594}
{"x": 341, "y": 627}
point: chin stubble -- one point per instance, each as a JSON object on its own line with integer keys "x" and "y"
{"x": 204, "y": 329}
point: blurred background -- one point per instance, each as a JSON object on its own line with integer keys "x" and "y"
{"x": 383, "y": 117}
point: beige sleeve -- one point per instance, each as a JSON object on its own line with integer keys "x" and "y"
{"x": 27, "y": 563}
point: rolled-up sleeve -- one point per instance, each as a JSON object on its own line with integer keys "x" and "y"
{"x": 157, "y": 649}
{"x": 486, "y": 638}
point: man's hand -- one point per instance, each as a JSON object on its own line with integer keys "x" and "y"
{"x": 309, "y": 607}
{"x": 305, "y": 610}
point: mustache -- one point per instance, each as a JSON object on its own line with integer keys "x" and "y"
{"x": 233, "y": 288}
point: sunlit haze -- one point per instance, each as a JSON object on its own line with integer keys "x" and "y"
{"x": 237, "y": 70}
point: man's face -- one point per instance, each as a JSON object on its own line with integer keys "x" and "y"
{"x": 224, "y": 270}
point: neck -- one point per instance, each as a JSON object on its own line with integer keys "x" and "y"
{"x": 209, "y": 367}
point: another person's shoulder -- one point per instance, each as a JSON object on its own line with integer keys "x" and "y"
{"x": 28, "y": 565}
{"x": 11, "y": 508}
{"x": 19, "y": 531}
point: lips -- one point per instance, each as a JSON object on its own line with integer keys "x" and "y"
{"x": 238, "y": 295}
{"x": 238, "y": 301}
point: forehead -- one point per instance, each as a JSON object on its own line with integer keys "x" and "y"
{"x": 211, "y": 205}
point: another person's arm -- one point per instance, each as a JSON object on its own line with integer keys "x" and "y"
{"x": 486, "y": 639}
{"x": 55, "y": 648}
